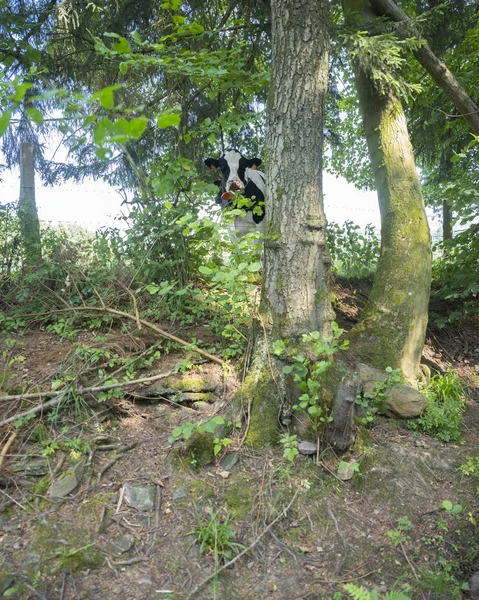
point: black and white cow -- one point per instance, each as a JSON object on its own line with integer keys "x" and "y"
{"x": 241, "y": 179}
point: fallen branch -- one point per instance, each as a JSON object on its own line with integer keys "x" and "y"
{"x": 6, "y": 448}
{"x": 282, "y": 514}
{"x": 148, "y": 324}
{"x": 60, "y": 395}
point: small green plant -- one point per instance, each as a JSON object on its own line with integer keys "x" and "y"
{"x": 187, "y": 429}
{"x": 471, "y": 468}
{"x": 446, "y": 401}
{"x": 398, "y": 536}
{"x": 309, "y": 369}
{"x": 215, "y": 536}
{"x": 375, "y": 402}
{"x": 454, "y": 510}
{"x": 290, "y": 446}
{"x": 361, "y": 593}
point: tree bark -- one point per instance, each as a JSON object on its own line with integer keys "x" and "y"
{"x": 392, "y": 327}
{"x": 440, "y": 74}
{"x": 295, "y": 297}
{"x": 27, "y": 208}
{"x": 295, "y": 293}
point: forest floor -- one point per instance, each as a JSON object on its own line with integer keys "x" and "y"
{"x": 306, "y": 532}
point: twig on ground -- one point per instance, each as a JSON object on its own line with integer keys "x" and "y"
{"x": 110, "y": 463}
{"x": 60, "y": 395}
{"x": 6, "y": 448}
{"x": 125, "y": 315}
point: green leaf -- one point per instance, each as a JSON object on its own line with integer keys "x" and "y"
{"x": 168, "y": 119}
{"x": 254, "y": 267}
{"x": 33, "y": 55}
{"x": 105, "y": 96}
{"x": 287, "y": 369}
{"x": 122, "y": 46}
{"x": 205, "y": 270}
{"x": 446, "y": 505}
{"x": 4, "y": 121}
{"x": 137, "y": 126}
{"x": 21, "y": 91}
{"x": 35, "y": 115}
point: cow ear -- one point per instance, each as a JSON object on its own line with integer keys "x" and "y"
{"x": 253, "y": 163}
{"x": 212, "y": 163}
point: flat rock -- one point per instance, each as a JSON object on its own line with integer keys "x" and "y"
{"x": 229, "y": 460}
{"x": 122, "y": 543}
{"x": 141, "y": 497}
{"x": 67, "y": 482}
{"x": 307, "y": 448}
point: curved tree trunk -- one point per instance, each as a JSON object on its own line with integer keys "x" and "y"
{"x": 392, "y": 328}
{"x": 27, "y": 208}
{"x": 295, "y": 295}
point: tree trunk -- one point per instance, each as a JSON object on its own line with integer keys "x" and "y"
{"x": 446, "y": 221}
{"x": 392, "y": 328}
{"x": 27, "y": 208}
{"x": 295, "y": 294}
{"x": 436, "y": 69}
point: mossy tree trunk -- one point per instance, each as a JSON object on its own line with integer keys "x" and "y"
{"x": 27, "y": 208}
{"x": 392, "y": 328}
{"x": 295, "y": 293}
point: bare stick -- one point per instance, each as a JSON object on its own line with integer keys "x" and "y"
{"x": 60, "y": 395}
{"x": 282, "y": 514}
{"x": 6, "y": 448}
{"x": 148, "y": 324}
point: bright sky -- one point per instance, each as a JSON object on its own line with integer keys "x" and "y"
{"x": 94, "y": 203}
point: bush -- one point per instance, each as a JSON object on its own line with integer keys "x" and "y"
{"x": 442, "y": 418}
{"x": 354, "y": 253}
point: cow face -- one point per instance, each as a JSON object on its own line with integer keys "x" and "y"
{"x": 233, "y": 166}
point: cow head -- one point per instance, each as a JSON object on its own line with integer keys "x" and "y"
{"x": 233, "y": 166}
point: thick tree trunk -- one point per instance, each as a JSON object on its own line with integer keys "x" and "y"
{"x": 441, "y": 75}
{"x": 295, "y": 287}
{"x": 295, "y": 294}
{"x": 392, "y": 328}
{"x": 27, "y": 208}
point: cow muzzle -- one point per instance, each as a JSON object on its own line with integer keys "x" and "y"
{"x": 234, "y": 185}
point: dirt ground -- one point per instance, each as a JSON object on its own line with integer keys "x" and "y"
{"x": 305, "y": 532}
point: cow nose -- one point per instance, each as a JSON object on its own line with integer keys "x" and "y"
{"x": 235, "y": 185}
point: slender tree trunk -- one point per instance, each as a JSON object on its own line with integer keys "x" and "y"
{"x": 441, "y": 75}
{"x": 295, "y": 294}
{"x": 392, "y": 328}
{"x": 446, "y": 221}
{"x": 27, "y": 208}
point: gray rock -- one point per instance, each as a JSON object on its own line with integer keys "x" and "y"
{"x": 201, "y": 405}
{"x": 307, "y": 448}
{"x": 33, "y": 466}
{"x": 141, "y": 497}
{"x": 229, "y": 460}
{"x": 474, "y": 586}
{"x": 122, "y": 543}
{"x": 68, "y": 481}
{"x": 180, "y": 493}
{"x": 403, "y": 401}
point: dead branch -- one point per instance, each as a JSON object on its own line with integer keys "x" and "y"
{"x": 6, "y": 448}
{"x": 60, "y": 395}
{"x": 148, "y": 324}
